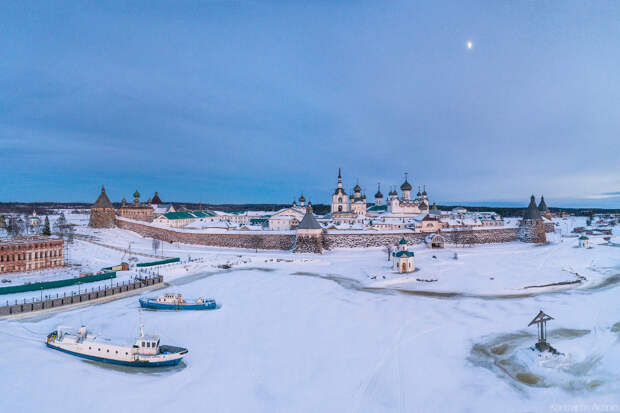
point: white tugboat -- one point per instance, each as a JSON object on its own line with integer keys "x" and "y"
{"x": 146, "y": 352}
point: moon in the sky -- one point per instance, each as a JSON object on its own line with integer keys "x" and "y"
{"x": 470, "y": 45}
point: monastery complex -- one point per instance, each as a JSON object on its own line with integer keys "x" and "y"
{"x": 352, "y": 219}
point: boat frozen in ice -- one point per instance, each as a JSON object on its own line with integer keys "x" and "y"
{"x": 146, "y": 352}
{"x": 171, "y": 301}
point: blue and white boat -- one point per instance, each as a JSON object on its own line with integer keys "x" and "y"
{"x": 171, "y": 301}
{"x": 146, "y": 352}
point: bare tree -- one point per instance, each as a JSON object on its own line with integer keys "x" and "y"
{"x": 60, "y": 225}
{"x": 15, "y": 226}
{"x": 155, "y": 244}
{"x": 69, "y": 232}
{"x": 63, "y": 228}
{"x": 255, "y": 242}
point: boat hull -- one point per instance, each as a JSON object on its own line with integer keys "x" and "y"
{"x": 154, "y": 305}
{"x": 138, "y": 363}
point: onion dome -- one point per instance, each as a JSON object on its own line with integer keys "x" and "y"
{"x": 393, "y": 192}
{"x": 378, "y": 194}
{"x": 363, "y": 196}
{"x": 302, "y": 198}
{"x": 424, "y": 191}
{"x": 136, "y": 194}
{"x": 357, "y": 188}
{"x": 406, "y": 186}
{"x": 402, "y": 241}
{"x": 419, "y": 194}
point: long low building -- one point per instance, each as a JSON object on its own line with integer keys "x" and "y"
{"x": 179, "y": 219}
{"x": 30, "y": 253}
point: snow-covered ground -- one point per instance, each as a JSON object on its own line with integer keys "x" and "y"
{"x": 319, "y": 333}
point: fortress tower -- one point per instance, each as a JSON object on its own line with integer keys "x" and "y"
{"x": 102, "y": 212}
{"x": 532, "y": 227}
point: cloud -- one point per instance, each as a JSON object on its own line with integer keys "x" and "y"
{"x": 605, "y": 195}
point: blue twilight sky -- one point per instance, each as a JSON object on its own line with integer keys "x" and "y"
{"x": 256, "y": 101}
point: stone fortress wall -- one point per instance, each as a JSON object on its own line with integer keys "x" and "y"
{"x": 265, "y": 240}
{"x": 248, "y": 241}
{"x": 460, "y": 237}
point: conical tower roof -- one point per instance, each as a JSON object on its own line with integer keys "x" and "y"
{"x": 156, "y": 199}
{"x": 532, "y": 211}
{"x": 542, "y": 206}
{"x": 103, "y": 201}
{"x": 309, "y": 221}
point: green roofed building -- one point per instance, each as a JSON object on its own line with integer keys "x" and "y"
{"x": 179, "y": 219}
{"x": 403, "y": 258}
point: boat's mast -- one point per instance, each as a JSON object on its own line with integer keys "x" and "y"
{"x": 141, "y": 324}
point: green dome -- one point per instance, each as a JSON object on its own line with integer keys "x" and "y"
{"x": 136, "y": 194}
{"x": 402, "y": 241}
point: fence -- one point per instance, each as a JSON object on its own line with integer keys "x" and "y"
{"x": 78, "y": 297}
{"x": 162, "y": 262}
{"x": 46, "y": 285}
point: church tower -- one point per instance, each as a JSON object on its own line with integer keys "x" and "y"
{"x": 378, "y": 196}
{"x": 340, "y": 200}
{"x": 406, "y": 188}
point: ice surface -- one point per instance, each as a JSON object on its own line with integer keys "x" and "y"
{"x": 309, "y": 333}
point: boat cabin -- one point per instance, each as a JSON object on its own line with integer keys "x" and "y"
{"x": 170, "y": 298}
{"x": 147, "y": 345}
